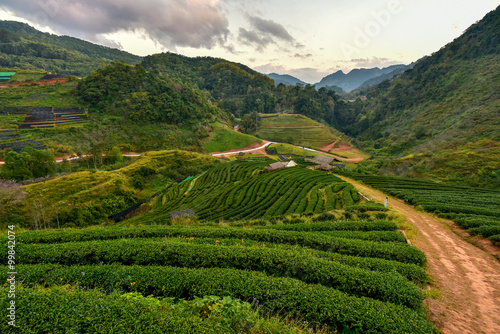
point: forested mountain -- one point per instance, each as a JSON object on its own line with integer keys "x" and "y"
{"x": 24, "y": 47}
{"x": 132, "y": 92}
{"x": 285, "y": 79}
{"x": 387, "y": 76}
{"x": 444, "y": 111}
{"x": 240, "y": 90}
{"x": 354, "y": 78}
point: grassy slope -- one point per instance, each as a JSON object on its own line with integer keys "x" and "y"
{"x": 446, "y": 109}
{"x": 117, "y": 188}
{"x": 224, "y": 138}
{"x": 294, "y": 129}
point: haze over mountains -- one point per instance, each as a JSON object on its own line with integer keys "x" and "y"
{"x": 341, "y": 82}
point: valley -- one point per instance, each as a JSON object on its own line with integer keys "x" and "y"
{"x": 168, "y": 193}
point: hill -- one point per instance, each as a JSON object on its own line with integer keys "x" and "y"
{"x": 355, "y": 77}
{"x": 285, "y": 79}
{"x": 442, "y": 116}
{"x": 24, "y": 47}
{"x": 387, "y": 76}
{"x": 294, "y": 129}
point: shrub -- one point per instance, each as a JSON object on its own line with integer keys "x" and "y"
{"x": 285, "y": 295}
{"x": 383, "y": 286}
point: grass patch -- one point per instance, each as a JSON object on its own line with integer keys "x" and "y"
{"x": 294, "y": 129}
{"x": 223, "y": 138}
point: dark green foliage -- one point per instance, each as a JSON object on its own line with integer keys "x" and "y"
{"x": 495, "y": 239}
{"x": 69, "y": 309}
{"x": 389, "y": 251}
{"x": 275, "y": 262}
{"x": 283, "y": 295}
{"x": 30, "y": 163}
{"x": 474, "y": 208}
{"x": 339, "y": 226}
{"x": 242, "y": 189}
{"x": 25, "y": 47}
{"x": 390, "y": 236}
{"x": 486, "y": 230}
{"x": 131, "y": 92}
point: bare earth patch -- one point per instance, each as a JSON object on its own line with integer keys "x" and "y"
{"x": 255, "y": 147}
{"x": 467, "y": 277}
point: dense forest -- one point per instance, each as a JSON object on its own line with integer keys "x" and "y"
{"x": 24, "y": 47}
{"x": 130, "y": 91}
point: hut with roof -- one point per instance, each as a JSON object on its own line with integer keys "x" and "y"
{"x": 182, "y": 214}
{"x": 322, "y": 162}
{"x": 280, "y": 165}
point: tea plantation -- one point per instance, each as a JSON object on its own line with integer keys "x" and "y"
{"x": 333, "y": 276}
{"x": 242, "y": 189}
{"x": 475, "y": 209}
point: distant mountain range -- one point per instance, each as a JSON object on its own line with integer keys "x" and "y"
{"x": 342, "y": 83}
{"x": 285, "y": 79}
{"x": 357, "y": 77}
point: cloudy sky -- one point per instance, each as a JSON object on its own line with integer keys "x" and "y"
{"x": 307, "y": 39}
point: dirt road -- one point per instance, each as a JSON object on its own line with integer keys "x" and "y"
{"x": 467, "y": 277}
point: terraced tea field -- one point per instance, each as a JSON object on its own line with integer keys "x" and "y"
{"x": 243, "y": 189}
{"x": 474, "y": 209}
{"x": 294, "y": 129}
{"x": 310, "y": 272}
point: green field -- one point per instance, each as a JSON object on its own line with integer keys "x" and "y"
{"x": 294, "y": 129}
{"x": 57, "y": 96}
{"x": 89, "y": 197}
{"x": 475, "y": 209}
{"x": 224, "y": 138}
{"x": 308, "y": 276}
{"x": 242, "y": 189}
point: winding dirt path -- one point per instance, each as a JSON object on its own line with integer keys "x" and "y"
{"x": 467, "y": 277}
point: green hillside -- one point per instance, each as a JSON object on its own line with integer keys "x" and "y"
{"x": 294, "y": 129}
{"x": 445, "y": 111}
{"x": 24, "y": 47}
{"x": 88, "y": 197}
{"x": 242, "y": 189}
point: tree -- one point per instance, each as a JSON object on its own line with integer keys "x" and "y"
{"x": 250, "y": 122}
{"x": 11, "y": 195}
{"x": 28, "y": 164}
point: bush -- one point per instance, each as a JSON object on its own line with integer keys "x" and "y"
{"x": 285, "y": 295}
{"x": 389, "y": 251}
{"x": 384, "y": 286}
{"x": 68, "y": 309}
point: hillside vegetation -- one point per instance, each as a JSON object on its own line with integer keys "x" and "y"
{"x": 241, "y": 189}
{"x": 294, "y": 129}
{"x": 444, "y": 111}
{"x": 89, "y": 197}
{"x": 26, "y": 48}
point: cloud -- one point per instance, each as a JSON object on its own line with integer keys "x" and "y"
{"x": 170, "y": 23}
{"x": 303, "y": 56}
{"x": 263, "y": 33}
{"x": 270, "y": 27}
{"x": 252, "y": 37}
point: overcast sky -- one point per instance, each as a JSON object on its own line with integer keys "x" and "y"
{"x": 307, "y": 39}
